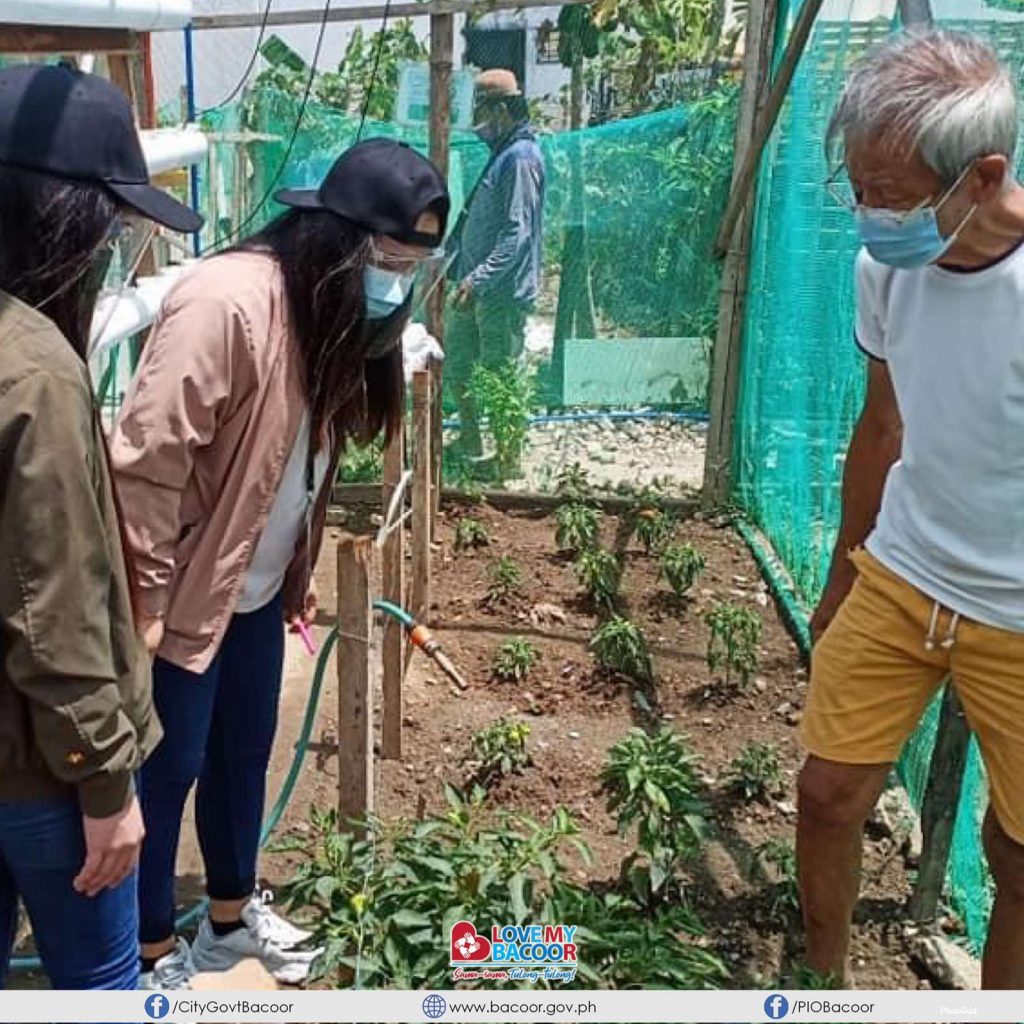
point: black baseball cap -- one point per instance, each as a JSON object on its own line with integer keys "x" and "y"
{"x": 60, "y": 121}
{"x": 383, "y": 186}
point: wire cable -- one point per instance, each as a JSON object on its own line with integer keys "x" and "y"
{"x": 381, "y": 35}
{"x": 248, "y": 70}
{"x": 236, "y": 231}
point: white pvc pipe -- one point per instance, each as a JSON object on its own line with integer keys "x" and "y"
{"x": 133, "y": 311}
{"x": 138, "y": 15}
{"x": 168, "y": 148}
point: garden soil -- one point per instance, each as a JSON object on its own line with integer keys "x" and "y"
{"x": 575, "y": 715}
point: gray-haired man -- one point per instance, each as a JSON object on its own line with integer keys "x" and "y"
{"x": 927, "y": 577}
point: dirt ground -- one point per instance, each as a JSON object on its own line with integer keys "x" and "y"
{"x": 575, "y": 716}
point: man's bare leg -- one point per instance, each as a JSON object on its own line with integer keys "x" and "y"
{"x": 1003, "y": 964}
{"x": 834, "y": 803}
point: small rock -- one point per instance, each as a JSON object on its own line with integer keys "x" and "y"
{"x": 924, "y": 985}
{"x": 787, "y": 807}
{"x": 447, "y": 751}
{"x": 761, "y": 598}
{"x": 668, "y": 717}
{"x": 794, "y": 717}
{"x": 574, "y": 735}
{"x": 784, "y": 709}
{"x": 760, "y": 685}
{"x": 707, "y": 722}
{"x": 948, "y": 964}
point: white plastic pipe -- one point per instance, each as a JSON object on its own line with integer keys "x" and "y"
{"x": 133, "y": 311}
{"x": 168, "y": 148}
{"x": 138, "y": 15}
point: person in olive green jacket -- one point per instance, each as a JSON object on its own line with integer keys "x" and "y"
{"x": 76, "y": 712}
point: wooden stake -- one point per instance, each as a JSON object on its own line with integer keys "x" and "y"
{"x": 421, "y": 494}
{"x": 940, "y": 804}
{"x": 442, "y": 49}
{"x": 393, "y": 587}
{"x": 725, "y": 364}
{"x": 355, "y": 693}
{"x": 743, "y": 182}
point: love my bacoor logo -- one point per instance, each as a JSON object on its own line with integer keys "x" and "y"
{"x": 514, "y": 952}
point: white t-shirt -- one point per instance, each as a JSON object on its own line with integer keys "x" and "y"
{"x": 952, "y": 516}
{"x": 288, "y": 515}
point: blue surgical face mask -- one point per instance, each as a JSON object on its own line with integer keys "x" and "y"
{"x": 908, "y": 239}
{"x": 385, "y": 291}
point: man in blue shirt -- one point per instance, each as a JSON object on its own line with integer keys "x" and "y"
{"x": 496, "y": 247}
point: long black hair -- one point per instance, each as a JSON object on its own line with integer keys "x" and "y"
{"x": 322, "y": 257}
{"x": 52, "y": 255}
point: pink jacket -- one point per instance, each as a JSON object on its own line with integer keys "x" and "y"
{"x": 201, "y": 446}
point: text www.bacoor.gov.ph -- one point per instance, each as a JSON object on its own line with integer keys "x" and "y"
{"x": 544, "y": 1009}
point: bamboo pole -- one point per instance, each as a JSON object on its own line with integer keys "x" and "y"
{"x": 421, "y": 494}
{"x": 743, "y": 182}
{"x": 355, "y": 693}
{"x": 940, "y": 804}
{"x": 393, "y": 588}
{"x": 761, "y": 17}
{"x": 442, "y": 49}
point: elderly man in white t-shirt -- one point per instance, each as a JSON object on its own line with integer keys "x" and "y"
{"x": 927, "y": 578}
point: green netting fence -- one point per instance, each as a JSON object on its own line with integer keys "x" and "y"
{"x": 803, "y": 378}
{"x": 639, "y": 197}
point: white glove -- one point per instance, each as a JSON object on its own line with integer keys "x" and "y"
{"x": 419, "y": 350}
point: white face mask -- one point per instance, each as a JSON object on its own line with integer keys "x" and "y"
{"x": 385, "y": 291}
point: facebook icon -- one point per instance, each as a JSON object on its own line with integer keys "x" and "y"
{"x": 776, "y": 1007}
{"x": 157, "y": 1006}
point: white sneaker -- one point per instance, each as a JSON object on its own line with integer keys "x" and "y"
{"x": 173, "y": 971}
{"x": 258, "y": 914}
{"x": 253, "y": 941}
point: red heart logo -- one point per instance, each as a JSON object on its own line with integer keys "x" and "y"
{"x": 468, "y": 946}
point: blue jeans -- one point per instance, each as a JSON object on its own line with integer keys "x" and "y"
{"x": 84, "y": 943}
{"x": 218, "y": 730}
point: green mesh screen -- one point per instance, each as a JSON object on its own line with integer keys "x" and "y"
{"x": 640, "y": 196}
{"x": 803, "y": 378}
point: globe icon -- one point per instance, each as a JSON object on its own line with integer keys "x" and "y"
{"x": 434, "y": 1006}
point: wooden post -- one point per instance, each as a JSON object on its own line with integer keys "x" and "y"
{"x": 421, "y": 494}
{"x": 355, "y": 693}
{"x": 939, "y": 807}
{"x": 393, "y": 588}
{"x": 761, "y": 15}
{"x": 442, "y": 48}
{"x": 743, "y": 181}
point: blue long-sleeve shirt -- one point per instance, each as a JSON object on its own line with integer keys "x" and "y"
{"x": 499, "y": 247}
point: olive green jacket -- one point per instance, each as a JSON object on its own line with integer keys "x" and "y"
{"x": 76, "y": 713}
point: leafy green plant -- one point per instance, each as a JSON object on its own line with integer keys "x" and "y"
{"x": 573, "y": 485}
{"x": 381, "y": 898}
{"x": 779, "y": 855}
{"x": 514, "y": 659}
{"x": 653, "y": 528}
{"x": 651, "y": 782}
{"x": 735, "y": 635}
{"x": 471, "y": 533}
{"x": 375, "y": 58}
{"x": 600, "y": 574}
{"x": 621, "y": 647}
{"x": 504, "y": 397}
{"x": 499, "y": 750}
{"x": 363, "y": 465}
{"x": 577, "y": 527}
{"x": 754, "y": 771}
{"x": 506, "y": 580}
{"x": 630, "y": 945}
{"x": 680, "y": 565}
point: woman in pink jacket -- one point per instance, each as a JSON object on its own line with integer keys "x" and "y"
{"x": 265, "y": 361}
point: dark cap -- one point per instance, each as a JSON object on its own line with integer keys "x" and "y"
{"x": 66, "y": 123}
{"x": 383, "y": 186}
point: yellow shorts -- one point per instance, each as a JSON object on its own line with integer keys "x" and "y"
{"x": 872, "y": 677}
